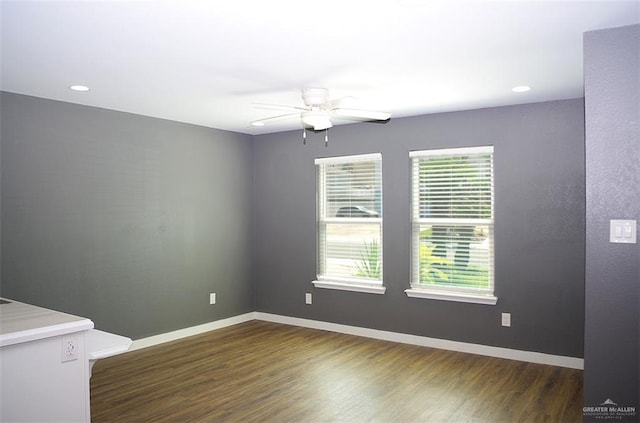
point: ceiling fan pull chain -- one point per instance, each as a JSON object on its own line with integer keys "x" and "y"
{"x": 326, "y": 137}
{"x": 304, "y": 136}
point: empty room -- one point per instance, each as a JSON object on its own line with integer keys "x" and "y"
{"x": 290, "y": 211}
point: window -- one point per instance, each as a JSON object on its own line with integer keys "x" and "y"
{"x": 349, "y": 201}
{"x": 452, "y": 225}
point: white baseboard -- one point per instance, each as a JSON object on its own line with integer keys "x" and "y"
{"x": 499, "y": 352}
{"x": 194, "y": 330}
{"x": 444, "y": 344}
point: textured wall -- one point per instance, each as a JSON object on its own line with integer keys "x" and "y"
{"x": 131, "y": 221}
{"x": 539, "y": 228}
{"x": 612, "y": 110}
{"x": 128, "y": 220}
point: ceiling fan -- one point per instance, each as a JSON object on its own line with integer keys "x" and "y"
{"x": 319, "y": 112}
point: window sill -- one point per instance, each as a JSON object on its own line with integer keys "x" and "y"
{"x": 345, "y": 286}
{"x": 452, "y": 296}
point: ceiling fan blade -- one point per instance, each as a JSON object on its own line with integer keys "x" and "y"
{"x": 261, "y": 122}
{"x": 342, "y": 102}
{"x": 272, "y": 106}
{"x": 360, "y": 115}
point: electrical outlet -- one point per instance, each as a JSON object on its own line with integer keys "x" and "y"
{"x": 70, "y": 345}
{"x": 506, "y": 319}
{"x": 212, "y": 298}
{"x": 307, "y": 298}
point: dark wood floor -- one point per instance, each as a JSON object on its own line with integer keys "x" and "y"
{"x": 266, "y": 372}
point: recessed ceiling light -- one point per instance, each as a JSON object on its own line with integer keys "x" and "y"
{"x": 521, "y": 89}
{"x": 258, "y": 123}
{"x": 81, "y": 88}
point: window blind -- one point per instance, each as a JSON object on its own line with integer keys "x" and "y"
{"x": 350, "y": 219}
{"x": 452, "y": 219}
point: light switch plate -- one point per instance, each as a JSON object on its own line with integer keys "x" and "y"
{"x": 622, "y": 231}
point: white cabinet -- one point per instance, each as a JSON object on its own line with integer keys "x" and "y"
{"x": 44, "y": 366}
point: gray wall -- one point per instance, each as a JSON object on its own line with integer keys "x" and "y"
{"x": 539, "y": 227}
{"x": 132, "y": 221}
{"x": 128, "y": 220}
{"x": 612, "y": 323}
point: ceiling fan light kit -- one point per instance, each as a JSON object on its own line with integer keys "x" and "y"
{"x": 319, "y": 112}
{"x": 316, "y": 119}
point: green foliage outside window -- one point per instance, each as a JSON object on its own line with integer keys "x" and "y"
{"x": 369, "y": 265}
{"x": 437, "y": 269}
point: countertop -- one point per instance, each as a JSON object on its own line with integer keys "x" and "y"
{"x": 21, "y": 322}
{"x": 104, "y": 344}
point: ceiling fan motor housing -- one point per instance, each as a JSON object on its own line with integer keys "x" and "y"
{"x": 315, "y": 97}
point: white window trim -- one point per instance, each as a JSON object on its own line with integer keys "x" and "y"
{"x": 356, "y": 286}
{"x": 348, "y": 284}
{"x": 449, "y": 295}
{"x": 457, "y": 294}
{"x": 341, "y": 159}
{"x": 452, "y": 151}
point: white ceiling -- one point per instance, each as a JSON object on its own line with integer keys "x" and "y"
{"x": 206, "y": 62}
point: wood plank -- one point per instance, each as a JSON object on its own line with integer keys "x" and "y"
{"x": 267, "y": 372}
